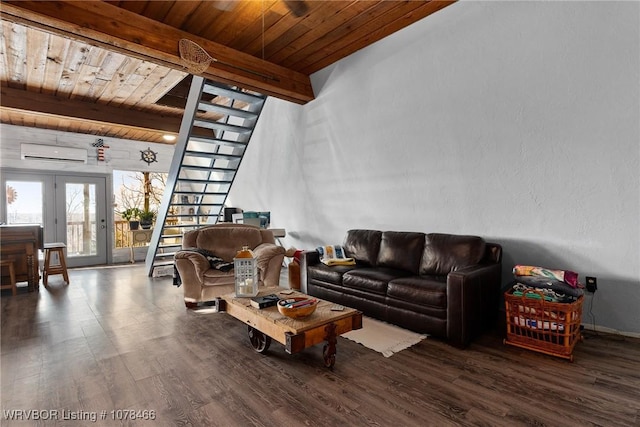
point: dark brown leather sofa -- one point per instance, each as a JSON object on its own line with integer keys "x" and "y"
{"x": 443, "y": 285}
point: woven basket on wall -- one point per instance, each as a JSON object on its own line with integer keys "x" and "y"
{"x": 195, "y": 58}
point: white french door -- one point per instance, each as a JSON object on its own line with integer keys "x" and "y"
{"x": 71, "y": 208}
{"x": 81, "y": 218}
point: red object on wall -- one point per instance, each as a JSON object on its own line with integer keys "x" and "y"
{"x": 101, "y": 153}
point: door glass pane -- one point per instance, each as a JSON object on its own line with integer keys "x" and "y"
{"x": 81, "y": 219}
{"x": 24, "y": 202}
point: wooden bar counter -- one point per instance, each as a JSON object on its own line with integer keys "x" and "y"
{"x": 20, "y": 243}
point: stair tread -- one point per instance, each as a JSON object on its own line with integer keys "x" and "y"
{"x": 205, "y": 181}
{"x": 162, "y": 264}
{"x": 203, "y": 193}
{"x": 187, "y": 225}
{"x": 217, "y": 141}
{"x": 224, "y": 109}
{"x": 213, "y": 89}
{"x": 216, "y": 125}
{"x": 208, "y": 169}
{"x": 196, "y": 153}
{"x": 165, "y": 254}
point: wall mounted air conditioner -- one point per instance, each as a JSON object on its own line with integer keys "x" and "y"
{"x": 53, "y": 152}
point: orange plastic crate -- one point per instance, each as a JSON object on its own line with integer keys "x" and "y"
{"x": 546, "y": 327}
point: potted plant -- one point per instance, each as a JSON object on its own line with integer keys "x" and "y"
{"x": 131, "y": 215}
{"x": 146, "y": 218}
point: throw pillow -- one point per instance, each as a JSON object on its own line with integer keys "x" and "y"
{"x": 215, "y": 262}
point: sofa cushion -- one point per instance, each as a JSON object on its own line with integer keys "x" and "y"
{"x": 401, "y": 250}
{"x": 217, "y": 278}
{"x": 423, "y": 290}
{"x": 363, "y": 246}
{"x": 327, "y": 274}
{"x": 444, "y": 253}
{"x": 373, "y": 280}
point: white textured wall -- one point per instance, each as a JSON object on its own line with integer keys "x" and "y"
{"x": 516, "y": 121}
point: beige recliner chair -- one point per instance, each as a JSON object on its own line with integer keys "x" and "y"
{"x": 201, "y": 282}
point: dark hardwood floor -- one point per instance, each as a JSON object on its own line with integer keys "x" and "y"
{"x": 115, "y": 340}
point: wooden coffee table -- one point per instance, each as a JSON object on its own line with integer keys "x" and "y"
{"x": 295, "y": 334}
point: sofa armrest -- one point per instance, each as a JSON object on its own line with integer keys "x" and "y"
{"x": 269, "y": 258}
{"x": 268, "y": 251}
{"x": 307, "y": 258}
{"x": 191, "y": 267}
{"x": 473, "y": 296}
{"x": 199, "y": 261}
{"x": 310, "y": 257}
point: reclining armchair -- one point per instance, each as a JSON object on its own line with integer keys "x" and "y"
{"x": 202, "y": 282}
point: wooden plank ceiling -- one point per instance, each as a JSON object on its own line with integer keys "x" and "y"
{"x": 113, "y": 68}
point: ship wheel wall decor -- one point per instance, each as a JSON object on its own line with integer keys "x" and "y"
{"x": 148, "y": 156}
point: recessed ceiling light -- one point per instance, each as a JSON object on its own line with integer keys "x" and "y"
{"x": 169, "y": 137}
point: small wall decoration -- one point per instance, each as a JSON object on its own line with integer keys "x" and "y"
{"x": 101, "y": 146}
{"x": 12, "y": 194}
{"x": 148, "y": 156}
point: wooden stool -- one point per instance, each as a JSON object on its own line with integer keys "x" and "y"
{"x": 12, "y": 276}
{"x": 60, "y": 268}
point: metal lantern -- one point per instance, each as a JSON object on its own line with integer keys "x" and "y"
{"x": 246, "y": 272}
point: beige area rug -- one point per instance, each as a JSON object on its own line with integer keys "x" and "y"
{"x": 383, "y": 337}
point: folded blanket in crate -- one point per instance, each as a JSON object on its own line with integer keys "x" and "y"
{"x": 546, "y": 283}
{"x": 533, "y": 295}
{"x": 569, "y": 277}
{"x": 519, "y": 289}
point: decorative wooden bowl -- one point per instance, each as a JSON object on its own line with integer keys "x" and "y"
{"x": 297, "y": 307}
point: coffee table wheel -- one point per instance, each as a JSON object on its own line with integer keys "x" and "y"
{"x": 259, "y": 341}
{"x": 329, "y": 357}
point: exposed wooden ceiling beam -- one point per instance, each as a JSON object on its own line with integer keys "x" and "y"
{"x": 108, "y": 26}
{"x": 47, "y": 104}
